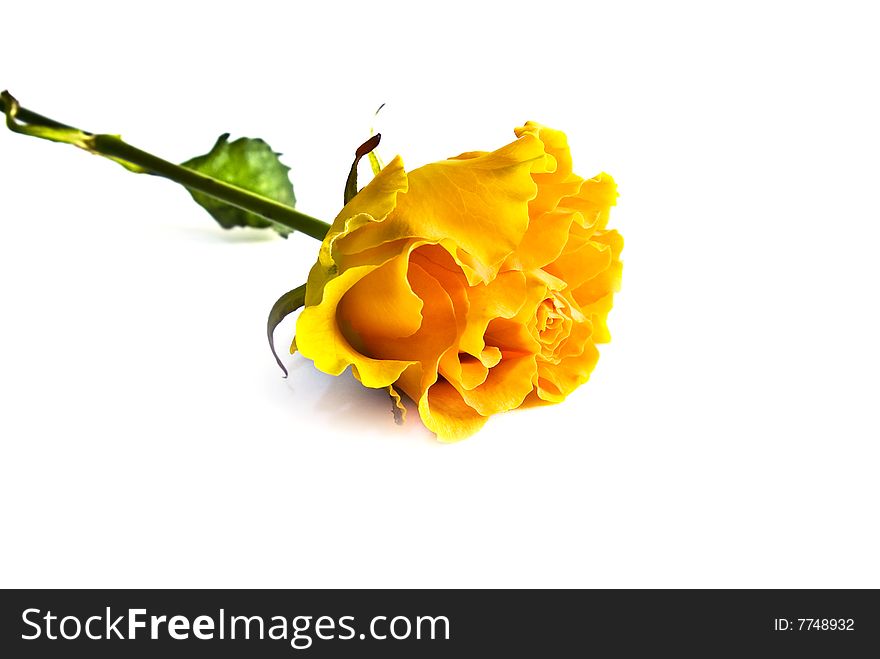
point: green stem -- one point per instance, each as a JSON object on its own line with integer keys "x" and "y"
{"x": 29, "y": 117}
{"x": 112, "y": 146}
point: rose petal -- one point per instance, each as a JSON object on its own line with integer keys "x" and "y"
{"x": 319, "y": 337}
{"x": 436, "y": 332}
{"x": 383, "y": 304}
{"x": 445, "y": 413}
{"x": 555, "y": 183}
{"x": 506, "y": 386}
{"x": 543, "y": 242}
{"x": 581, "y": 263}
{"x": 465, "y": 199}
{"x": 594, "y": 200}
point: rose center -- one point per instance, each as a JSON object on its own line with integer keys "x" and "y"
{"x": 553, "y": 323}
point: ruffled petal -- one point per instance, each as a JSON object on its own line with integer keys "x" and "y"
{"x": 597, "y": 312}
{"x": 382, "y": 304}
{"x": 607, "y": 280}
{"x": 370, "y": 205}
{"x": 503, "y": 297}
{"x": 466, "y": 199}
{"x": 506, "y": 385}
{"x": 445, "y": 413}
{"x": 581, "y": 263}
{"x": 378, "y": 198}
{"x": 555, "y": 382}
{"x": 544, "y": 240}
{"x": 436, "y": 332}
{"x": 320, "y": 338}
{"x": 594, "y": 200}
{"x": 557, "y": 182}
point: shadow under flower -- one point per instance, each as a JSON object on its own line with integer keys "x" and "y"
{"x": 343, "y": 402}
{"x": 237, "y": 235}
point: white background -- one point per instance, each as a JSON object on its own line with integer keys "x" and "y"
{"x": 729, "y": 436}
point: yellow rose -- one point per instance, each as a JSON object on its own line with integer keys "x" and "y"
{"x": 475, "y": 285}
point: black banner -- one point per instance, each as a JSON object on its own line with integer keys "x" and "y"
{"x": 432, "y": 623}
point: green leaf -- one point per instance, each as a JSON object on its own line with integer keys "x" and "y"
{"x": 286, "y": 305}
{"x": 250, "y": 164}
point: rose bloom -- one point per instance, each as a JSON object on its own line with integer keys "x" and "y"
{"x": 475, "y": 285}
